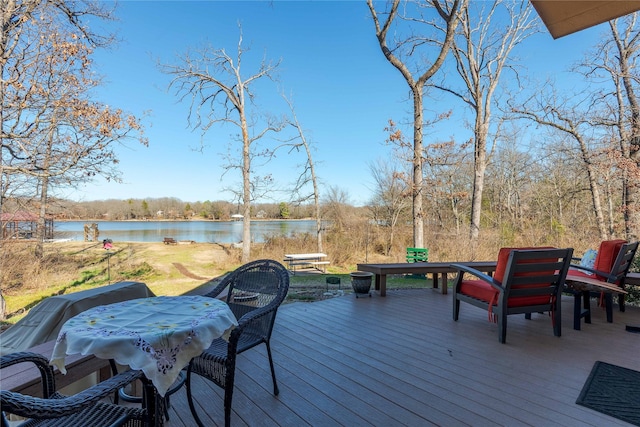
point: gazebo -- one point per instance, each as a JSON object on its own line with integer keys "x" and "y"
{"x": 23, "y": 225}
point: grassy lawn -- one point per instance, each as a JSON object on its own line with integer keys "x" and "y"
{"x": 165, "y": 269}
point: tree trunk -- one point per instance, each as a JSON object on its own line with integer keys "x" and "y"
{"x": 479, "y": 169}
{"x": 42, "y": 218}
{"x": 481, "y": 132}
{"x": 246, "y": 191}
{"x": 44, "y": 190}
{"x": 318, "y": 220}
{"x": 416, "y": 190}
{"x": 593, "y": 186}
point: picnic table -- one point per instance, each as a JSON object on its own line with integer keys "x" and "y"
{"x": 311, "y": 260}
{"x": 434, "y": 268}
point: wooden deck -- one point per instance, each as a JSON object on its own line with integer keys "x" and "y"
{"x": 403, "y": 361}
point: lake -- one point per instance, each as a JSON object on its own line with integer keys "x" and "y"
{"x": 199, "y": 231}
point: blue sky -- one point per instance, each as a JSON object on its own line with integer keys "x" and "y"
{"x": 343, "y": 89}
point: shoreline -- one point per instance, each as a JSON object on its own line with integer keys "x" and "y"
{"x": 184, "y": 220}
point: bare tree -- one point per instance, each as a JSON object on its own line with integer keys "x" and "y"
{"x": 220, "y": 94}
{"x": 308, "y": 174}
{"x": 52, "y": 132}
{"x": 337, "y": 208}
{"x": 615, "y": 58}
{"x": 437, "y": 162}
{"x": 482, "y": 50}
{"x": 442, "y": 17}
{"x": 605, "y": 122}
{"x": 21, "y": 26}
{"x": 573, "y": 122}
{"x": 391, "y": 197}
{"x": 447, "y": 179}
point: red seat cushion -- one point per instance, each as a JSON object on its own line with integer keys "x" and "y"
{"x": 478, "y": 289}
{"x": 580, "y": 273}
{"x": 483, "y": 291}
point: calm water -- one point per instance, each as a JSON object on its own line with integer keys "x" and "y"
{"x": 199, "y": 231}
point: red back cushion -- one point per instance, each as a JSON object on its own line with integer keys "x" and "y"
{"x": 503, "y": 259}
{"x": 607, "y": 254}
{"x": 501, "y": 267}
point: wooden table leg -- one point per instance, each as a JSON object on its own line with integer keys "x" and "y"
{"x": 381, "y": 284}
{"x": 445, "y": 283}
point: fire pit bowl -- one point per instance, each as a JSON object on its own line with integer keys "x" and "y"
{"x": 361, "y": 282}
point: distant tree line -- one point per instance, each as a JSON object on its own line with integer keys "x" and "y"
{"x": 171, "y": 208}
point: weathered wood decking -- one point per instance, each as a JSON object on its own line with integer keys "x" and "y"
{"x": 402, "y": 360}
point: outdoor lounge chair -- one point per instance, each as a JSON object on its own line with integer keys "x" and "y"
{"x": 56, "y": 410}
{"x": 255, "y": 291}
{"x": 526, "y": 280}
{"x": 611, "y": 266}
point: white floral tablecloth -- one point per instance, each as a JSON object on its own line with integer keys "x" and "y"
{"x": 157, "y": 335}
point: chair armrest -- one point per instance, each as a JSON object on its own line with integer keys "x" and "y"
{"x": 480, "y": 275}
{"x": 30, "y": 407}
{"x": 41, "y": 362}
{"x": 215, "y": 292}
{"x": 608, "y": 276}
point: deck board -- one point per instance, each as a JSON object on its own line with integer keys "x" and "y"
{"x": 402, "y": 360}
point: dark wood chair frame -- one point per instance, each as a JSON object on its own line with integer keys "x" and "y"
{"x": 255, "y": 291}
{"x": 524, "y": 267}
{"x": 618, "y": 274}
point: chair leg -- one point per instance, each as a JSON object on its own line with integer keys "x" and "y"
{"x": 557, "y": 316}
{"x": 190, "y": 399}
{"x": 608, "y": 304}
{"x": 586, "y": 298}
{"x": 456, "y": 308}
{"x": 276, "y": 391}
{"x": 228, "y": 396}
{"x": 577, "y": 310}
{"x": 502, "y": 328}
{"x": 621, "y": 302}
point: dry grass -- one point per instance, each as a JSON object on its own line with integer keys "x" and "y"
{"x": 75, "y": 266}
{"x": 178, "y": 269}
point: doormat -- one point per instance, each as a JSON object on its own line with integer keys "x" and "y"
{"x": 613, "y": 390}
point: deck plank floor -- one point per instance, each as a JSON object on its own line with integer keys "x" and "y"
{"x": 402, "y": 361}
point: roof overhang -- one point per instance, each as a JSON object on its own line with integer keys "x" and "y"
{"x": 565, "y": 17}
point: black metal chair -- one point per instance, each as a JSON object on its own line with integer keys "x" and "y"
{"x": 255, "y": 291}
{"x": 527, "y": 280}
{"x": 85, "y": 408}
